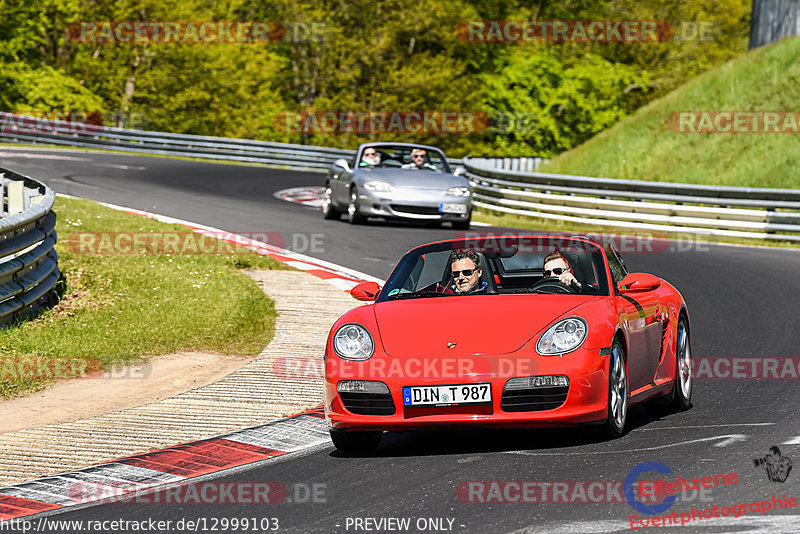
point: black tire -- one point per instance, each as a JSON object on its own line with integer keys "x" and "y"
{"x": 684, "y": 382}
{"x": 356, "y": 441}
{"x": 329, "y": 211}
{"x": 353, "y": 214}
{"x": 617, "y": 411}
{"x": 462, "y": 225}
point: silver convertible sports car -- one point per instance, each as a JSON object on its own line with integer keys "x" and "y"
{"x": 398, "y": 181}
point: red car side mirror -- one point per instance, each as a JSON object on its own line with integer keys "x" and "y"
{"x": 367, "y": 291}
{"x": 637, "y": 282}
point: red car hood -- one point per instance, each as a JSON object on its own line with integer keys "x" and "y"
{"x": 480, "y": 324}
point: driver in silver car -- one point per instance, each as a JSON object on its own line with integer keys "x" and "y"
{"x": 370, "y": 158}
{"x": 418, "y": 161}
{"x": 557, "y": 266}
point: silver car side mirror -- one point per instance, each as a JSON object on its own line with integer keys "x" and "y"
{"x": 343, "y": 164}
{"x": 460, "y": 171}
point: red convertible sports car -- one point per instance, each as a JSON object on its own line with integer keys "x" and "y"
{"x": 520, "y": 349}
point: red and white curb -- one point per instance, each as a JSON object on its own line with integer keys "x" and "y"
{"x": 181, "y": 463}
{"x": 308, "y": 196}
{"x": 338, "y": 276}
{"x": 189, "y": 460}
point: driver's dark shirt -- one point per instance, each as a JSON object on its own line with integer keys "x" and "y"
{"x": 481, "y": 289}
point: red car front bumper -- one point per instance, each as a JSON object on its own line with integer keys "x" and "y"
{"x": 586, "y": 397}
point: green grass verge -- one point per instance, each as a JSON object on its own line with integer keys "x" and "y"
{"x": 643, "y": 147}
{"x": 496, "y": 218}
{"x": 121, "y": 308}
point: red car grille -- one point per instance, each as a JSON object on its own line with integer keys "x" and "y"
{"x": 533, "y": 399}
{"x": 368, "y": 403}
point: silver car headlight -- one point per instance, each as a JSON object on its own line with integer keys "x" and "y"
{"x": 564, "y": 336}
{"x": 458, "y": 191}
{"x": 378, "y": 186}
{"x": 353, "y": 342}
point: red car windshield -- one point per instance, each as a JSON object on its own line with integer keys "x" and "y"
{"x": 507, "y": 265}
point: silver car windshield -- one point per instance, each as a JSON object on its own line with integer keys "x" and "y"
{"x": 399, "y": 156}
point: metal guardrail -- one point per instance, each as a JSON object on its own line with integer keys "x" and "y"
{"x": 515, "y": 164}
{"x": 28, "y": 261}
{"x": 662, "y": 206}
{"x": 500, "y": 184}
{"x": 31, "y": 130}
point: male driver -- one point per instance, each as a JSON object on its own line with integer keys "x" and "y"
{"x": 557, "y": 266}
{"x": 466, "y": 272}
{"x": 418, "y": 157}
{"x": 370, "y": 158}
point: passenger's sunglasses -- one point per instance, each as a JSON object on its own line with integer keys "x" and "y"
{"x": 465, "y": 272}
{"x": 557, "y": 271}
{"x": 417, "y": 156}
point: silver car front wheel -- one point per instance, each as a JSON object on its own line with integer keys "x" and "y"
{"x": 328, "y": 209}
{"x": 353, "y": 213}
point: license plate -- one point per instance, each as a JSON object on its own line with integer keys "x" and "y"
{"x": 447, "y": 207}
{"x": 447, "y": 395}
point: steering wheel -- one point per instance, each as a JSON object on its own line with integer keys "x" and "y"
{"x": 552, "y": 286}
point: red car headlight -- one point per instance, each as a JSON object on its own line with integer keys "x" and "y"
{"x": 564, "y": 336}
{"x": 353, "y": 342}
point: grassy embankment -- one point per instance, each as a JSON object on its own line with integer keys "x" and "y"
{"x": 650, "y": 146}
{"x": 121, "y": 308}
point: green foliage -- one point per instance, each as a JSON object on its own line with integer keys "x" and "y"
{"x": 43, "y": 89}
{"x": 359, "y": 55}
{"x": 557, "y": 104}
{"x": 645, "y": 147}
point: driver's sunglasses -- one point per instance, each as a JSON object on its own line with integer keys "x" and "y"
{"x": 556, "y": 271}
{"x": 369, "y": 153}
{"x": 465, "y": 272}
{"x": 415, "y": 156}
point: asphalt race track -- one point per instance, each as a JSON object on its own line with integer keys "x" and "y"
{"x": 743, "y": 303}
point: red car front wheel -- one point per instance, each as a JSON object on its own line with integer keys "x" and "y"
{"x": 356, "y": 441}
